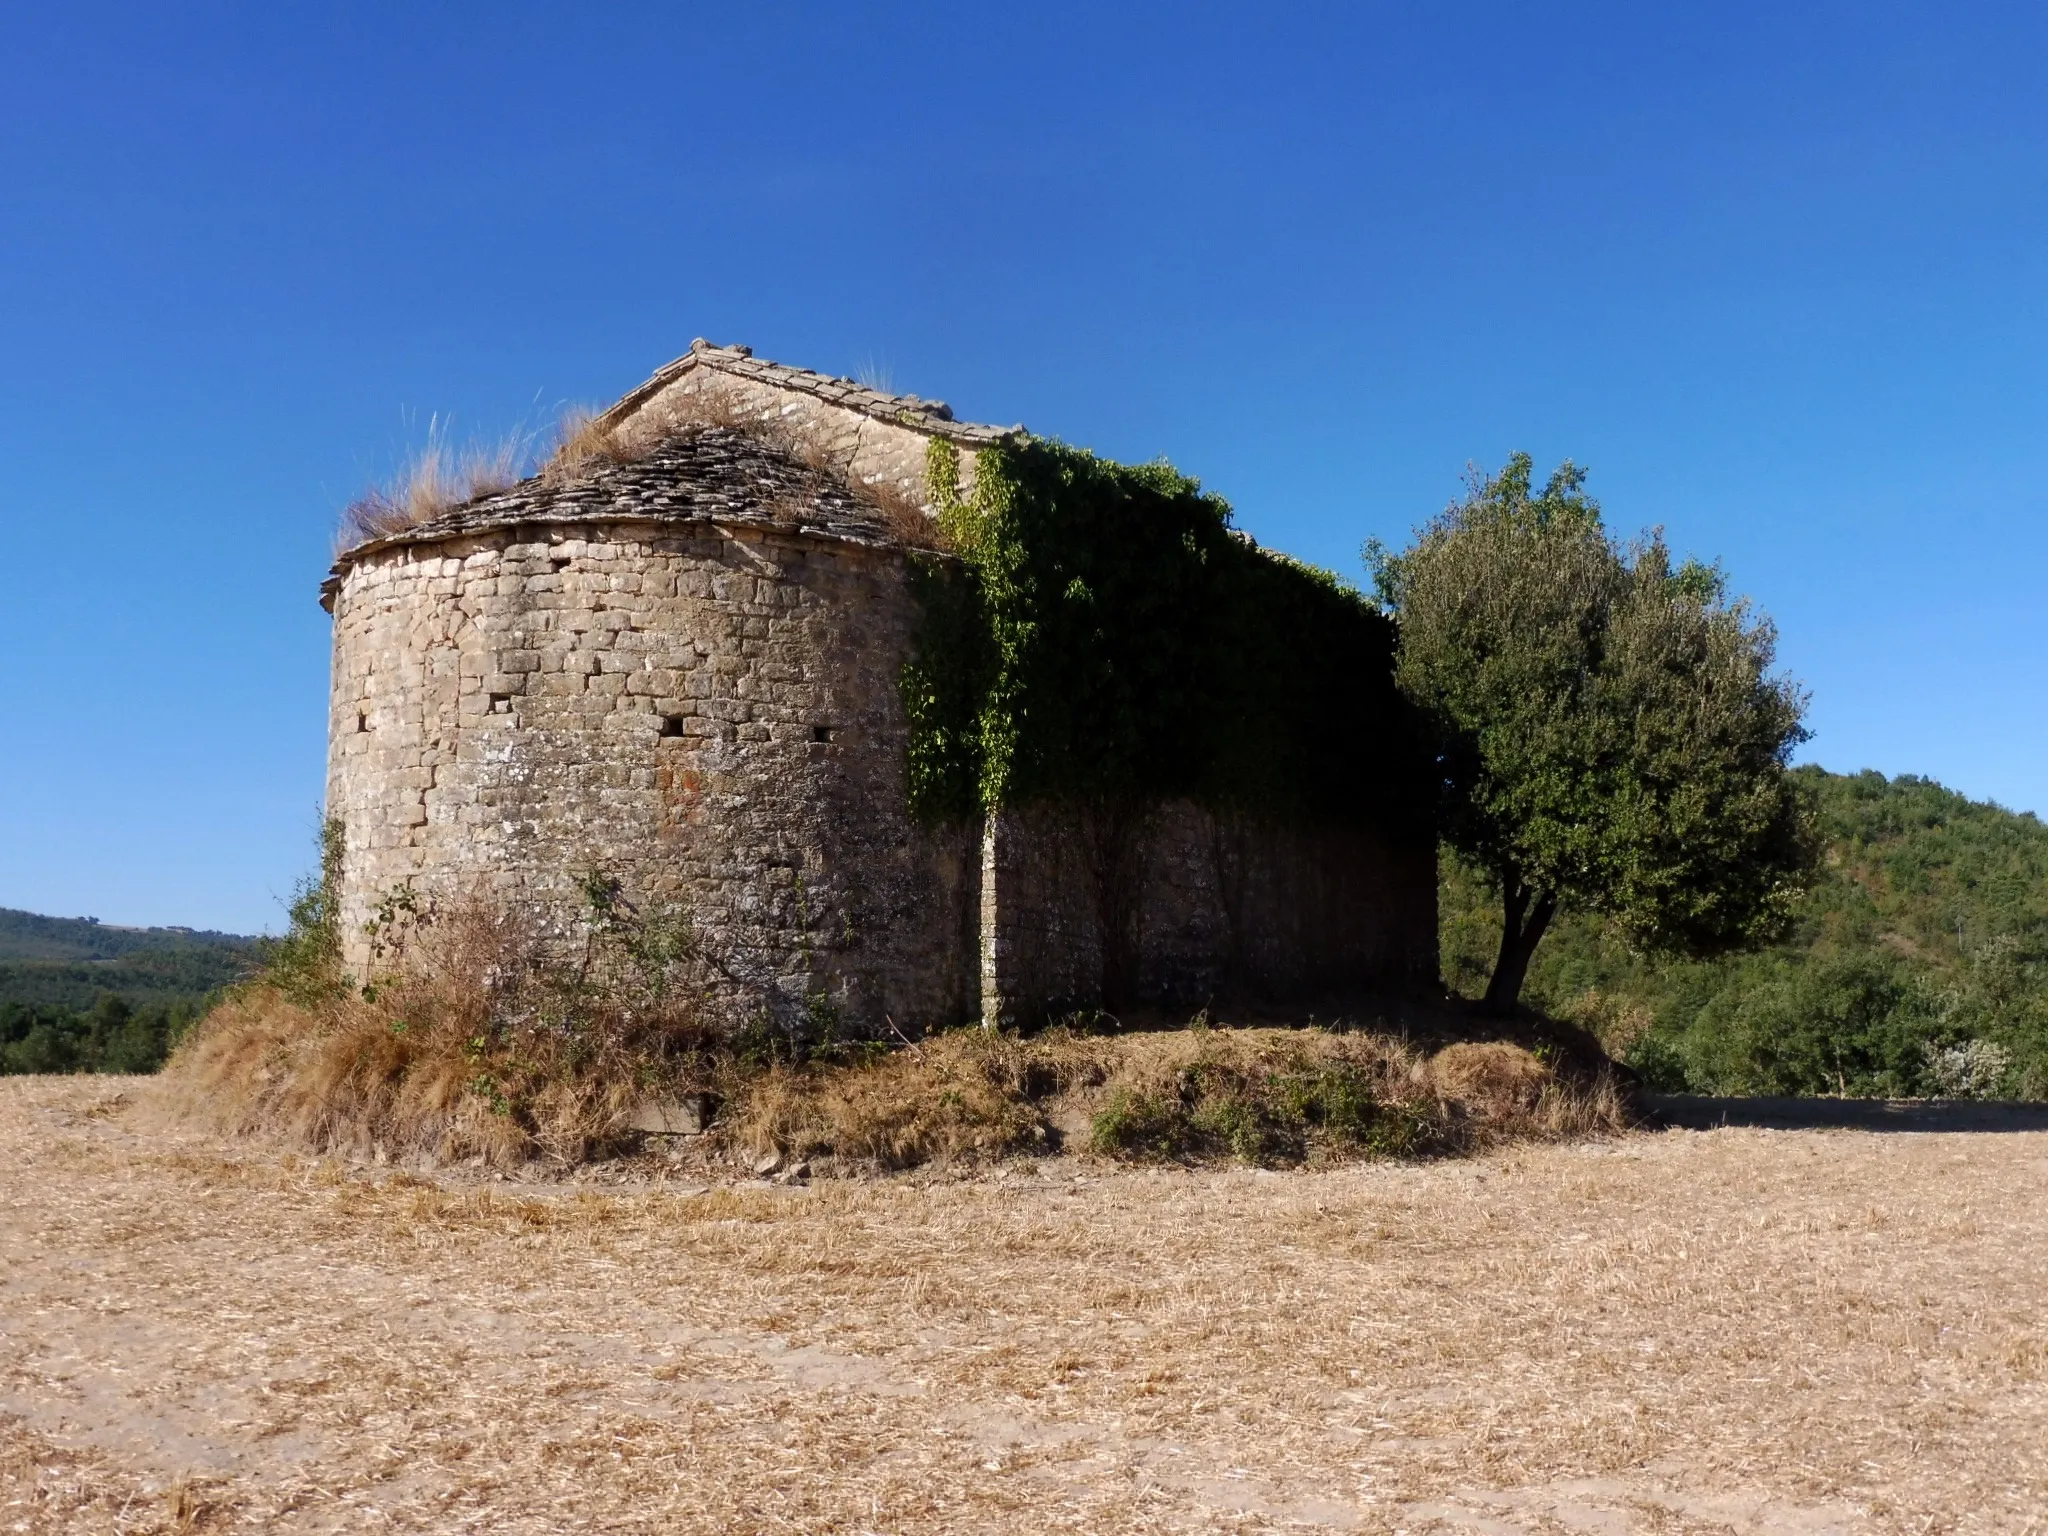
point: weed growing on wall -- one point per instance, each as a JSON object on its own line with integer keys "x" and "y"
{"x": 305, "y": 962}
{"x": 1103, "y": 636}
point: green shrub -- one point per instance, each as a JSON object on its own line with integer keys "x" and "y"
{"x": 1265, "y": 1116}
{"x": 305, "y": 963}
{"x": 114, "y": 1035}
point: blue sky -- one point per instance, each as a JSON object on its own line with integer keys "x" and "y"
{"x": 1776, "y": 273}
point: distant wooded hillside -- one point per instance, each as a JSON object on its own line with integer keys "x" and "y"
{"x": 69, "y": 962}
{"x": 31, "y": 936}
{"x": 1918, "y": 964}
{"x": 81, "y": 995}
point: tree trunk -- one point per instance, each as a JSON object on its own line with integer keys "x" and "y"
{"x": 1523, "y": 920}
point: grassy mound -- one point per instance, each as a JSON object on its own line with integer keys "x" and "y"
{"x": 341, "y": 1080}
{"x": 477, "y": 1039}
{"x": 1265, "y": 1095}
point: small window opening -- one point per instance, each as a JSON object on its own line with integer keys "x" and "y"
{"x": 821, "y": 733}
{"x": 501, "y": 703}
{"x": 362, "y": 721}
{"x": 671, "y": 725}
{"x": 559, "y": 562}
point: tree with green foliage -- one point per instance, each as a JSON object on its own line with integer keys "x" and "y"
{"x": 1916, "y": 963}
{"x": 114, "y": 1035}
{"x": 1610, "y": 733}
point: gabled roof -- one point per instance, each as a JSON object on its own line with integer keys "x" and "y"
{"x": 933, "y": 417}
{"x": 707, "y": 474}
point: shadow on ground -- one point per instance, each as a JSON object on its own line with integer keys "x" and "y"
{"x": 1698, "y": 1113}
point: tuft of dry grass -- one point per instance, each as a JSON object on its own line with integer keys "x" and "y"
{"x": 340, "y": 1079}
{"x": 588, "y": 439}
{"x": 475, "y": 1040}
{"x": 438, "y": 478}
{"x": 905, "y": 516}
{"x": 1492, "y": 1077}
{"x": 966, "y": 1095}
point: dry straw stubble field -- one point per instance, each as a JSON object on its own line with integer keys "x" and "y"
{"x": 1744, "y": 1331}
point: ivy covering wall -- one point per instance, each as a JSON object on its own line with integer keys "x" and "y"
{"x": 1101, "y": 635}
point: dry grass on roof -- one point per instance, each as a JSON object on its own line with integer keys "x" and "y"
{"x": 442, "y": 475}
{"x": 588, "y": 439}
{"x": 439, "y": 477}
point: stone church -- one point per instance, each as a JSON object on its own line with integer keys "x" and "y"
{"x": 678, "y": 662}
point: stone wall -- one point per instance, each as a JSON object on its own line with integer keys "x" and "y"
{"x": 1179, "y": 906}
{"x": 869, "y": 437}
{"x": 709, "y": 713}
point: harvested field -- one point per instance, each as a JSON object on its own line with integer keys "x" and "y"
{"x": 1733, "y": 1330}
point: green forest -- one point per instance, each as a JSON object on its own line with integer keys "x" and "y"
{"x": 1917, "y": 963}
{"x": 78, "y": 995}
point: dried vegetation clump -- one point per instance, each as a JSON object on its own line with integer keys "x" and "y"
{"x": 439, "y": 477}
{"x": 1264, "y": 1096}
{"x": 587, "y": 441}
{"x": 344, "y": 1077}
{"x": 478, "y": 1037}
{"x": 475, "y": 1047}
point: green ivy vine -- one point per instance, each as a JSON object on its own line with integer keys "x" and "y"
{"x": 1101, "y": 634}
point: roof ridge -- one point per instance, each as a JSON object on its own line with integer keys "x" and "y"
{"x": 933, "y": 416}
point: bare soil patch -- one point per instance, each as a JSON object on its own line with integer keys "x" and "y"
{"x": 1734, "y": 1330}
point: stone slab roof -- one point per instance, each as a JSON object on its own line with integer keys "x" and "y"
{"x": 930, "y": 416}
{"x": 716, "y": 475}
